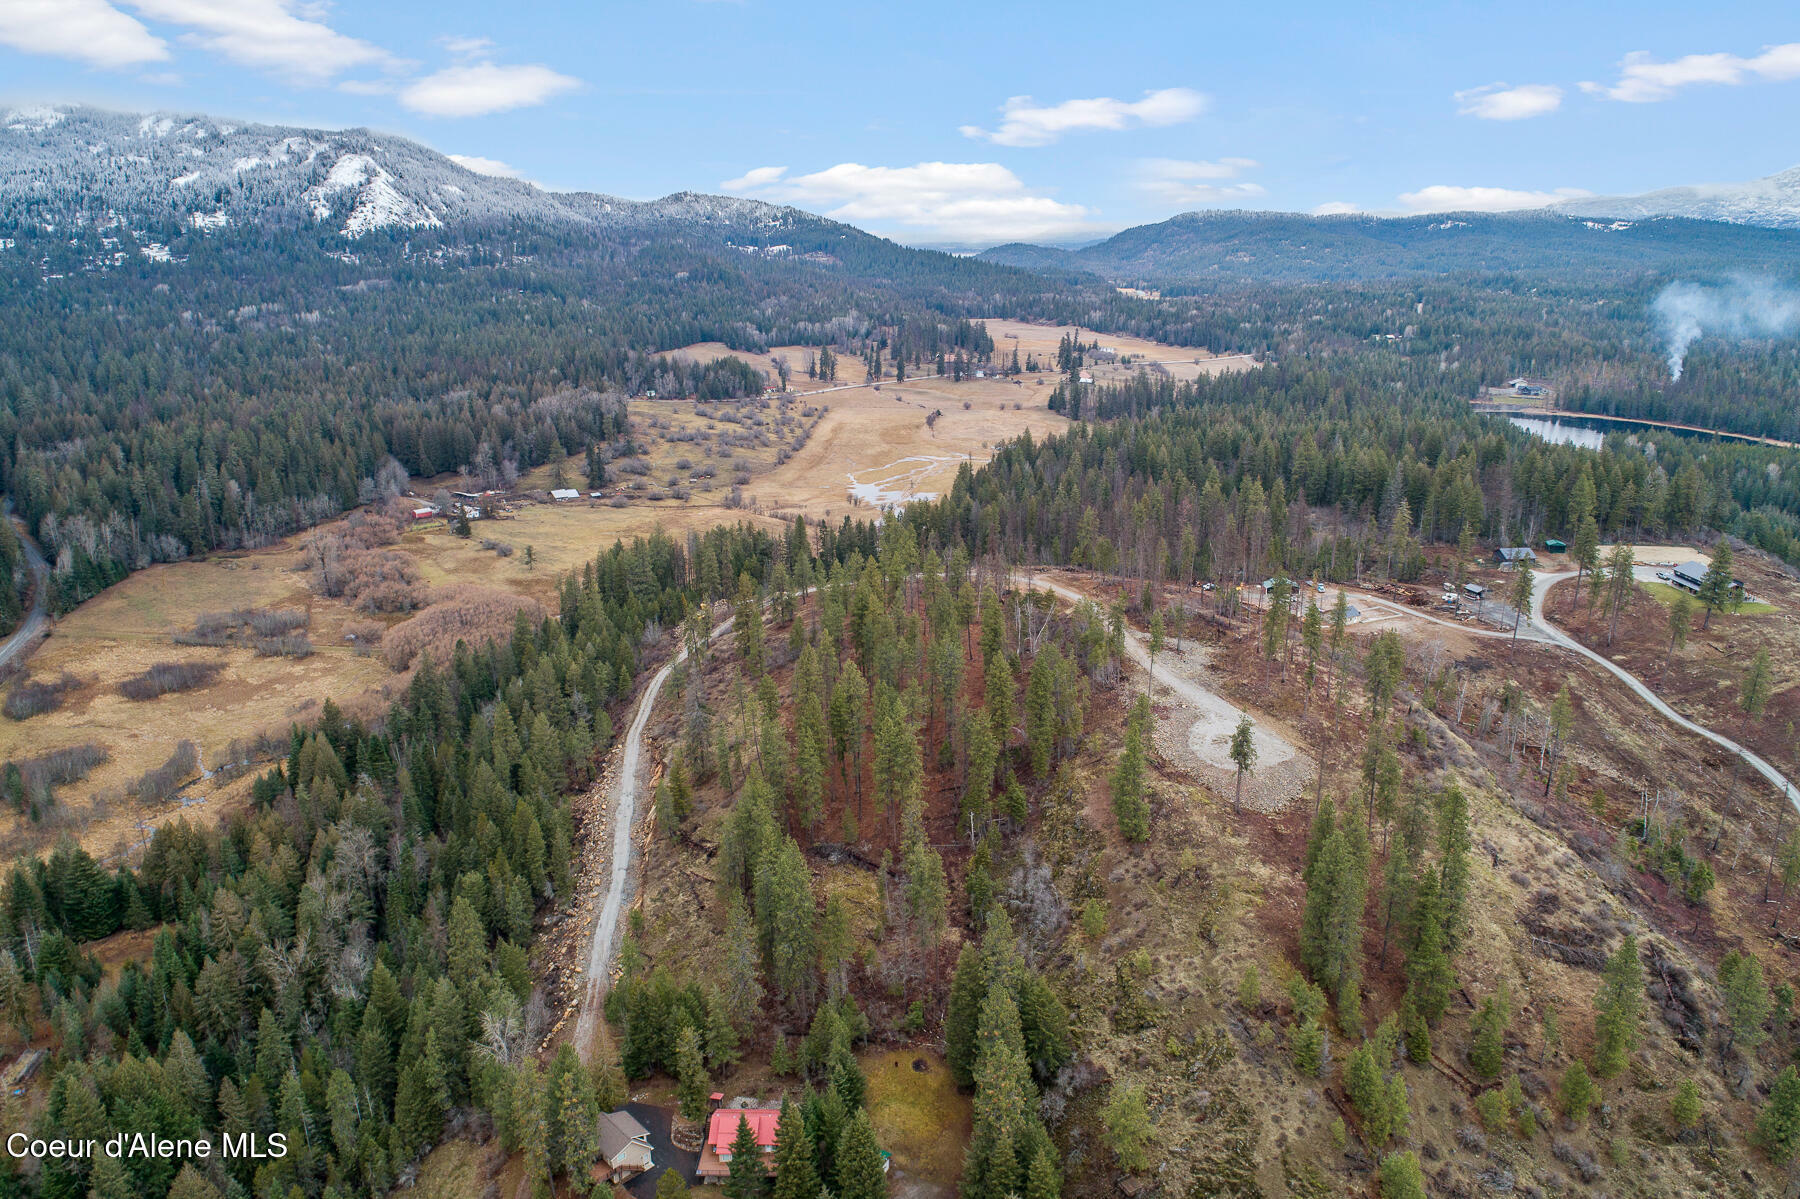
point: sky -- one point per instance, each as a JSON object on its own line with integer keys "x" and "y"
{"x": 958, "y": 124}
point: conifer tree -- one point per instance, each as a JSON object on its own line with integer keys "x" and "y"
{"x": 1129, "y": 805}
{"x": 1243, "y": 755}
{"x": 1487, "y": 1051}
{"x": 1429, "y": 973}
{"x": 694, "y": 1083}
{"x": 1617, "y": 1009}
{"x": 1127, "y": 1121}
{"x": 1577, "y": 1093}
{"x": 1778, "y": 1125}
{"x": 859, "y": 1165}
{"x": 747, "y": 1176}
{"x": 1716, "y": 592}
{"x": 1746, "y": 998}
{"x": 796, "y": 1175}
{"x": 962, "y": 1015}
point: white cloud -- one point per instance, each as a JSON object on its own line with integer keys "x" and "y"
{"x": 963, "y": 202}
{"x": 1026, "y": 123}
{"x": 476, "y": 89}
{"x": 1335, "y": 208}
{"x": 465, "y": 47}
{"x": 1184, "y": 182}
{"x": 1445, "y": 198}
{"x": 1643, "y": 79}
{"x": 753, "y": 178}
{"x": 1498, "y": 102}
{"x": 282, "y": 36}
{"x": 486, "y": 166}
{"x": 90, "y": 31}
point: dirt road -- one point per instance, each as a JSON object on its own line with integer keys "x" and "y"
{"x": 1556, "y": 636}
{"x": 1218, "y": 717}
{"x": 623, "y": 809}
{"x": 19, "y": 644}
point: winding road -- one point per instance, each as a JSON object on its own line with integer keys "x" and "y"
{"x": 1556, "y": 636}
{"x": 35, "y": 620}
{"x": 1538, "y": 628}
{"x": 1218, "y": 714}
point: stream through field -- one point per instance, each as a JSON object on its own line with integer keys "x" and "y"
{"x": 891, "y": 486}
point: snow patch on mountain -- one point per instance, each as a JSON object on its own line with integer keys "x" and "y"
{"x": 1772, "y": 202}
{"x": 35, "y": 118}
{"x": 65, "y": 165}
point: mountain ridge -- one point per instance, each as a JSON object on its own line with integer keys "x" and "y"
{"x": 1239, "y": 245}
{"x": 77, "y": 163}
{"x": 1772, "y": 202}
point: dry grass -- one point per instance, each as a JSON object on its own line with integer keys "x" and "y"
{"x": 465, "y": 613}
{"x": 919, "y": 1116}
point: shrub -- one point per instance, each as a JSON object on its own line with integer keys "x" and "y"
{"x": 471, "y": 614}
{"x": 1578, "y": 1092}
{"x": 242, "y": 626}
{"x": 295, "y": 645}
{"x": 30, "y": 782}
{"x": 1401, "y": 1177}
{"x": 165, "y": 677}
{"x": 154, "y": 786}
{"x": 365, "y": 636}
{"x": 34, "y": 697}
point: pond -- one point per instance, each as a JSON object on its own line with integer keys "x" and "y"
{"x": 1561, "y": 432}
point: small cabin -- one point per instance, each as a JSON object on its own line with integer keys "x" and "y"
{"x": 1554, "y": 546}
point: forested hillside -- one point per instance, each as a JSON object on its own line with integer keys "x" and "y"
{"x": 1222, "y": 247}
{"x": 1242, "y": 475}
{"x": 347, "y": 962}
{"x": 259, "y": 381}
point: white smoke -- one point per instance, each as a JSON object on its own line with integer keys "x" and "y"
{"x": 1744, "y": 307}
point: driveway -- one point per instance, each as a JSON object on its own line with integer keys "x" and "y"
{"x": 1551, "y": 633}
{"x": 667, "y": 1156}
{"x": 35, "y": 620}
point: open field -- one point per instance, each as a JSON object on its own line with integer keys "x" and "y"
{"x": 878, "y": 445}
{"x": 131, "y": 626}
{"x": 850, "y": 450}
{"x": 919, "y": 1115}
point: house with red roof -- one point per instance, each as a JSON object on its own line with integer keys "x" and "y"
{"x": 722, "y": 1130}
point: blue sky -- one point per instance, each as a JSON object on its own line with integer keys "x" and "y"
{"x": 978, "y": 123}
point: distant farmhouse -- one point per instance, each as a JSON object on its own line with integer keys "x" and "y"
{"x": 1507, "y": 555}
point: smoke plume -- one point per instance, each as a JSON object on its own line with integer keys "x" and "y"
{"x": 1744, "y": 307}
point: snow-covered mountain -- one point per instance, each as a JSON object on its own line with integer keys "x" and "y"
{"x": 1772, "y": 202}
{"x": 67, "y": 165}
